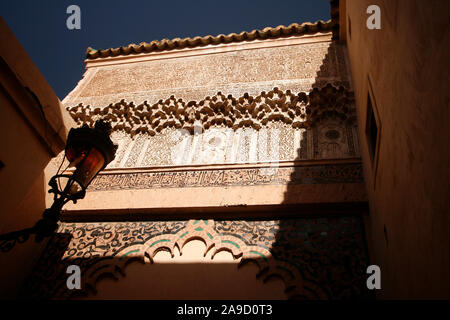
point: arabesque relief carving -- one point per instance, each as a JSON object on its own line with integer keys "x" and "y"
{"x": 300, "y": 110}
{"x": 273, "y": 126}
{"x": 298, "y": 68}
{"x": 317, "y": 258}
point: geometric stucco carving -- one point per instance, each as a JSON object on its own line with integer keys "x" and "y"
{"x": 300, "y": 110}
{"x": 317, "y": 258}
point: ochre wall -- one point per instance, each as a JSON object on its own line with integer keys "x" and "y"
{"x": 407, "y": 64}
{"x": 32, "y": 131}
{"x": 23, "y": 193}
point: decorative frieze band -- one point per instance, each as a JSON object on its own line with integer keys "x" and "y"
{"x": 313, "y": 174}
{"x": 300, "y": 110}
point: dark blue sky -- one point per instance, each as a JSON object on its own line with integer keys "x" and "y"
{"x": 40, "y": 26}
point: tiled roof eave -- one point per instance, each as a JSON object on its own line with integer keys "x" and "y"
{"x": 166, "y": 44}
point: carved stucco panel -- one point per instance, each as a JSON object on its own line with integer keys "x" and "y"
{"x": 297, "y": 67}
{"x": 317, "y": 258}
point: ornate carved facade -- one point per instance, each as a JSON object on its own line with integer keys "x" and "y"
{"x": 176, "y": 113}
{"x": 214, "y": 130}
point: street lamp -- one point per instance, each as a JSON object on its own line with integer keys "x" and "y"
{"x": 88, "y": 150}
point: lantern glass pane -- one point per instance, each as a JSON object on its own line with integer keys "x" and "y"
{"x": 76, "y": 152}
{"x": 89, "y": 167}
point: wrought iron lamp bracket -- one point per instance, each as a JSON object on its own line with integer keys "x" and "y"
{"x": 48, "y": 224}
{"x": 64, "y": 195}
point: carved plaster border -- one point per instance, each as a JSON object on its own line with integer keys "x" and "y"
{"x": 115, "y": 266}
{"x": 311, "y": 174}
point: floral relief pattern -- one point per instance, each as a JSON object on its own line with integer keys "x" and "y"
{"x": 317, "y": 258}
{"x": 300, "y": 110}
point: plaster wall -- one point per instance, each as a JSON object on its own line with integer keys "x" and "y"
{"x": 191, "y": 275}
{"x": 33, "y": 128}
{"x": 403, "y": 66}
{"x": 23, "y": 193}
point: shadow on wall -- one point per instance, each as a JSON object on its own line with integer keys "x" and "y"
{"x": 167, "y": 277}
{"x": 327, "y": 243}
{"x": 17, "y": 264}
{"x": 248, "y": 255}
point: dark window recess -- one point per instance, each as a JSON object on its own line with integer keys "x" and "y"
{"x": 371, "y": 128}
{"x": 1, "y": 164}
